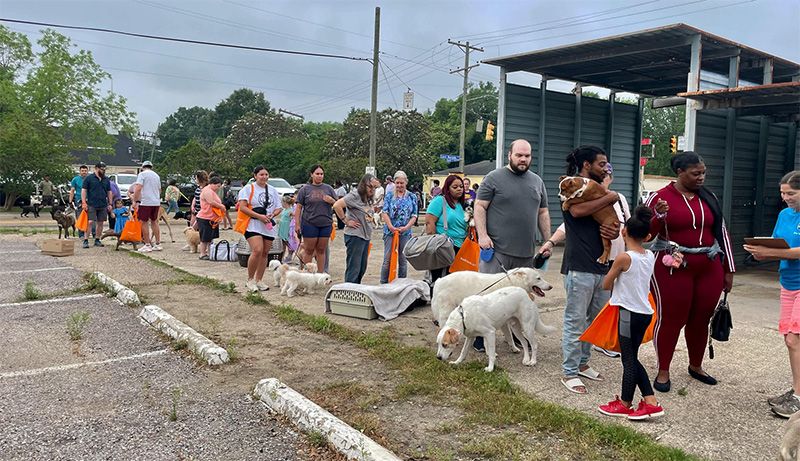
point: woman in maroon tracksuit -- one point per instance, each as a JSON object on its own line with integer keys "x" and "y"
{"x": 689, "y": 227}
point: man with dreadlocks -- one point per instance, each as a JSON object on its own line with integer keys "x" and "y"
{"x": 583, "y": 275}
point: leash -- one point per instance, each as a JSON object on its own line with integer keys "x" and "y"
{"x": 463, "y": 324}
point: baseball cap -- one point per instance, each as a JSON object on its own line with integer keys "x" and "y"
{"x": 147, "y": 163}
{"x": 100, "y": 165}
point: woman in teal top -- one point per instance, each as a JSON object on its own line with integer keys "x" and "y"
{"x": 453, "y": 197}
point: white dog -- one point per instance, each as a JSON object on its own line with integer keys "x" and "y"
{"x": 482, "y": 315}
{"x": 277, "y": 272}
{"x": 790, "y": 445}
{"x": 449, "y": 291}
{"x": 303, "y": 280}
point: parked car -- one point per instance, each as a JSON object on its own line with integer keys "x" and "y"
{"x": 282, "y": 186}
{"x": 124, "y": 182}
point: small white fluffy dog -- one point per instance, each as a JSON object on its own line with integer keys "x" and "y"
{"x": 304, "y": 281}
{"x": 279, "y": 271}
{"x": 482, "y": 315}
{"x": 449, "y": 291}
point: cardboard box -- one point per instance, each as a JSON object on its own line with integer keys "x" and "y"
{"x": 58, "y": 247}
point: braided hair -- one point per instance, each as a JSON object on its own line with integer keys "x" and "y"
{"x": 586, "y": 153}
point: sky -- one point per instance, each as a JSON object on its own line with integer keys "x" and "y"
{"x": 158, "y": 77}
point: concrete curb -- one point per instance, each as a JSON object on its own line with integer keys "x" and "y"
{"x": 179, "y": 331}
{"x": 310, "y": 417}
{"x": 124, "y": 294}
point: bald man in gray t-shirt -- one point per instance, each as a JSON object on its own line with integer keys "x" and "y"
{"x": 511, "y": 204}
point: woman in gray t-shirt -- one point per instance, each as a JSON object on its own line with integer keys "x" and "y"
{"x": 358, "y": 226}
{"x": 313, "y": 219}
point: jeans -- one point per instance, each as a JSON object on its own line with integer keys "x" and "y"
{"x": 402, "y": 264}
{"x": 172, "y": 207}
{"x": 585, "y": 298}
{"x": 357, "y": 252}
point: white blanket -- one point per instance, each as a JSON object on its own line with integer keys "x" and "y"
{"x": 391, "y": 299}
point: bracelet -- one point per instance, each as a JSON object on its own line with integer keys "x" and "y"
{"x": 551, "y": 242}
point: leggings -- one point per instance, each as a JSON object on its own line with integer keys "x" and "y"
{"x": 632, "y": 327}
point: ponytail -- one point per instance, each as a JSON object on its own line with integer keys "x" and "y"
{"x": 586, "y": 153}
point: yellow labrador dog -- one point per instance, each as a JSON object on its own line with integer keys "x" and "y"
{"x": 482, "y": 315}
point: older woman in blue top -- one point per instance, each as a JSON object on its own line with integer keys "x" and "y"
{"x": 787, "y": 228}
{"x": 399, "y": 215}
{"x": 453, "y": 197}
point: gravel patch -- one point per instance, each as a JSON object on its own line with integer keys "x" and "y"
{"x": 48, "y": 282}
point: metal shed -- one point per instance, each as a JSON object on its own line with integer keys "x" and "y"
{"x": 742, "y": 113}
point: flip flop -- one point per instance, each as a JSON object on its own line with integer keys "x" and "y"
{"x": 592, "y": 374}
{"x": 572, "y": 384}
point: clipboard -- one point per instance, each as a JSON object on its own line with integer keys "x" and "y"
{"x": 768, "y": 242}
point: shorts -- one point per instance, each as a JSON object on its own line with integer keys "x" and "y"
{"x": 312, "y": 232}
{"x": 97, "y": 214}
{"x": 248, "y": 234}
{"x": 207, "y": 233}
{"x": 147, "y": 213}
{"x": 790, "y": 312}
{"x": 47, "y": 200}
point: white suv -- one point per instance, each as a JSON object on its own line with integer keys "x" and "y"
{"x": 124, "y": 181}
{"x": 282, "y": 186}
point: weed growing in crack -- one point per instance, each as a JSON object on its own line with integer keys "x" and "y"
{"x": 76, "y": 323}
{"x": 176, "y": 398}
{"x": 180, "y": 345}
{"x": 683, "y": 392}
{"x": 317, "y": 439}
{"x": 32, "y": 293}
{"x": 233, "y": 349}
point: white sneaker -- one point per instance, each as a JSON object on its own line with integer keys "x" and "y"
{"x": 262, "y": 286}
{"x": 251, "y": 286}
{"x": 145, "y": 249}
{"x": 606, "y": 352}
{"x": 158, "y": 247}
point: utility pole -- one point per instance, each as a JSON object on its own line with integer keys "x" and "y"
{"x": 373, "y": 116}
{"x": 466, "y": 48}
{"x": 284, "y": 111}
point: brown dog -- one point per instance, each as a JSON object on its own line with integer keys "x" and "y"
{"x": 576, "y": 189}
{"x": 65, "y": 217}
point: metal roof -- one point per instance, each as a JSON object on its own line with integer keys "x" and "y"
{"x": 774, "y": 99}
{"x": 481, "y": 168}
{"x": 653, "y": 62}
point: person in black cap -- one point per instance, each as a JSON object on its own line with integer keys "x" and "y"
{"x": 96, "y": 199}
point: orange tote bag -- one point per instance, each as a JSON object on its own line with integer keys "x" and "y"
{"x": 82, "y": 223}
{"x": 393, "y": 256}
{"x": 242, "y": 220}
{"x": 468, "y": 255}
{"x": 132, "y": 231}
{"x": 604, "y": 330}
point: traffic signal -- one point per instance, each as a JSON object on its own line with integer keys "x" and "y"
{"x": 673, "y": 144}
{"x": 489, "y": 131}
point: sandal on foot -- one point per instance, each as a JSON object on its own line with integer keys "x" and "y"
{"x": 592, "y": 374}
{"x": 572, "y": 384}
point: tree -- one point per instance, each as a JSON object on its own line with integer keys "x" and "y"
{"x": 253, "y": 130}
{"x": 184, "y": 125}
{"x": 446, "y": 118}
{"x": 660, "y": 125}
{"x": 55, "y": 109}
{"x": 188, "y": 159}
{"x": 288, "y": 158}
{"x": 240, "y": 103}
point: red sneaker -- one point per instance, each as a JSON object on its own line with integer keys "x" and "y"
{"x": 645, "y": 411}
{"x": 615, "y": 408}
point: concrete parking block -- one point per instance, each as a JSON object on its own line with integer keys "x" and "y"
{"x": 179, "y": 331}
{"x": 124, "y": 294}
{"x": 310, "y": 417}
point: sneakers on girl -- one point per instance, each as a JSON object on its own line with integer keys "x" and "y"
{"x": 615, "y": 408}
{"x": 645, "y": 411}
{"x": 251, "y": 286}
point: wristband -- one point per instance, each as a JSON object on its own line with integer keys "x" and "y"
{"x": 551, "y": 242}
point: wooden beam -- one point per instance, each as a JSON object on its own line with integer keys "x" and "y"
{"x": 542, "y": 114}
{"x": 693, "y": 84}
{"x": 500, "y": 131}
{"x": 671, "y": 101}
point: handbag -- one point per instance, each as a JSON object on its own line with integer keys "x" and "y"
{"x": 429, "y": 252}
{"x": 82, "y": 223}
{"x": 604, "y": 330}
{"x": 242, "y": 220}
{"x": 132, "y": 231}
{"x": 222, "y": 251}
{"x": 468, "y": 255}
{"x": 721, "y": 324}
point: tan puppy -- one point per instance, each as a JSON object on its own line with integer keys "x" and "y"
{"x": 192, "y": 239}
{"x": 790, "y": 445}
{"x": 576, "y": 189}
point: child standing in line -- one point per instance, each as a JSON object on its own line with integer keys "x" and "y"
{"x": 121, "y": 215}
{"x": 629, "y": 280}
{"x": 284, "y": 228}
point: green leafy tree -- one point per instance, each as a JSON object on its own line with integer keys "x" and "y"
{"x": 54, "y": 109}
{"x": 189, "y": 158}
{"x": 184, "y": 125}
{"x": 253, "y": 130}
{"x": 446, "y": 117}
{"x": 660, "y": 125}
{"x": 240, "y": 103}
{"x": 288, "y": 158}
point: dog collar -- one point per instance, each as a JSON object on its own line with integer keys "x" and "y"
{"x": 461, "y": 311}
{"x": 577, "y": 193}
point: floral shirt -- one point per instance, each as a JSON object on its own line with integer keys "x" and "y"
{"x": 400, "y": 210}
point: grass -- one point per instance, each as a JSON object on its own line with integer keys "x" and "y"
{"x": 232, "y": 348}
{"x": 491, "y": 399}
{"x": 76, "y": 322}
{"x": 187, "y": 278}
{"x": 683, "y": 392}
{"x": 485, "y": 399}
{"x": 176, "y": 397}
{"x": 317, "y": 439}
{"x": 31, "y": 293}
{"x": 26, "y": 231}
{"x": 180, "y": 345}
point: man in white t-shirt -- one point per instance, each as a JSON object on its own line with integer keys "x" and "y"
{"x": 146, "y": 203}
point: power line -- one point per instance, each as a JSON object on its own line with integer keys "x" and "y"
{"x": 185, "y": 40}
{"x": 387, "y": 84}
{"x": 327, "y": 26}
